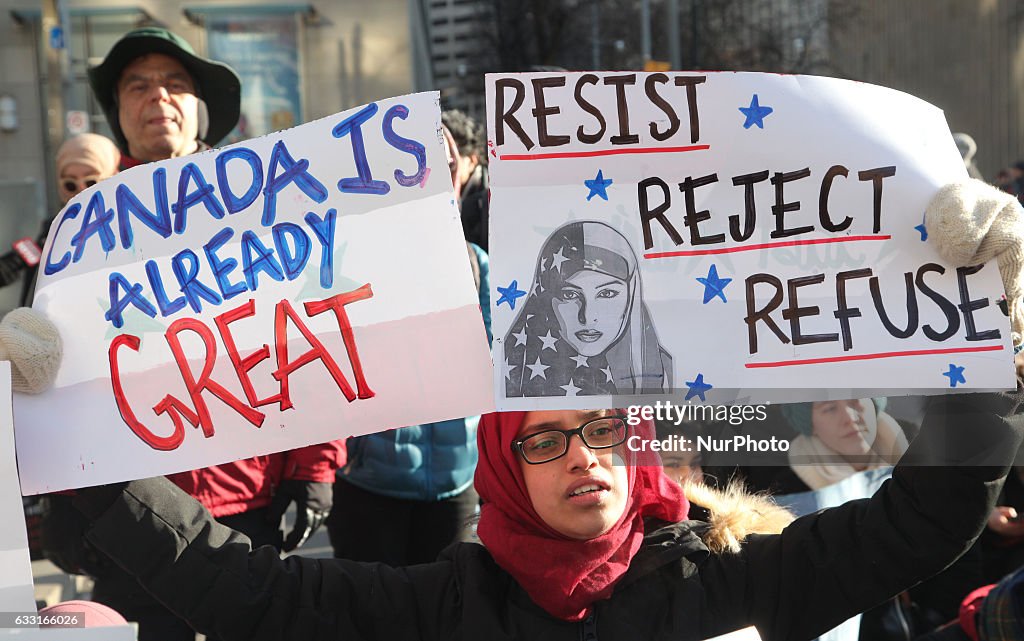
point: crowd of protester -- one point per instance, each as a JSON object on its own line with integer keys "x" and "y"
{"x": 695, "y": 543}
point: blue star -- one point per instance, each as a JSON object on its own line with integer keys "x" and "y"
{"x": 697, "y": 388}
{"x": 755, "y": 113}
{"x": 956, "y": 375}
{"x": 923, "y": 230}
{"x": 713, "y": 285}
{"x": 510, "y": 294}
{"x": 598, "y": 186}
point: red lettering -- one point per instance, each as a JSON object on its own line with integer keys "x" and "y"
{"x": 243, "y": 365}
{"x": 169, "y": 404}
{"x": 337, "y": 304}
{"x": 198, "y": 414}
{"x": 284, "y": 368}
{"x": 197, "y": 387}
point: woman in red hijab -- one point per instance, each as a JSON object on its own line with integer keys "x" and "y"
{"x": 583, "y": 537}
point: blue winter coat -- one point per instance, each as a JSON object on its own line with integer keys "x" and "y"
{"x": 428, "y": 462}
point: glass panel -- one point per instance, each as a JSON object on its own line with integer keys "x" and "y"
{"x": 263, "y": 50}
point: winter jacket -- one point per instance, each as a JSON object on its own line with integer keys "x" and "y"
{"x": 429, "y": 462}
{"x": 249, "y": 484}
{"x": 820, "y": 570}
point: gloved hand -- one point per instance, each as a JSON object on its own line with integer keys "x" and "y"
{"x": 971, "y": 222}
{"x": 312, "y": 505}
{"x": 32, "y": 344}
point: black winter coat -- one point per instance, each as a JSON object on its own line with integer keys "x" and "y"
{"x": 819, "y": 571}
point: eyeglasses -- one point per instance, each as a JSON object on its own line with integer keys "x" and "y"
{"x": 597, "y": 434}
{"x": 75, "y": 185}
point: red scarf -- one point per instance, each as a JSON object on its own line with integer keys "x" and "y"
{"x": 562, "y": 575}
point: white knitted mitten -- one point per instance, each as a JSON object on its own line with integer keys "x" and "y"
{"x": 971, "y": 222}
{"x": 31, "y": 342}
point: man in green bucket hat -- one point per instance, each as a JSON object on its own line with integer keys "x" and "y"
{"x": 163, "y": 101}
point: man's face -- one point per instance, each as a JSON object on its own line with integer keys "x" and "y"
{"x": 157, "y": 108}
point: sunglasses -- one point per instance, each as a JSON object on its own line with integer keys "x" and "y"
{"x": 75, "y": 185}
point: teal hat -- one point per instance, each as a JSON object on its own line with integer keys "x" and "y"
{"x": 798, "y": 415}
{"x": 216, "y": 83}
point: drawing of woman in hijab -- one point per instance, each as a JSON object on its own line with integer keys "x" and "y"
{"x": 584, "y": 329}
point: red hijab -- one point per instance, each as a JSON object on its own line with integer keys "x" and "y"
{"x": 563, "y": 575}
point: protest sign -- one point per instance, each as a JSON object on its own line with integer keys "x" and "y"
{"x": 16, "y": 591}
{"x": 725, "y": 237}
{"x": 288, "y": 290}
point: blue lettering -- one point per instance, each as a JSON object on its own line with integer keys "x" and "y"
{"x": 202, "y": 194}
{"x": 167, "y": 307}
{"x": 324, "y": 232}
{"x": 364, "y": 184}
{"x": 132, "y": 296}
{"x": 293, "y": 261}
{"x": 411, "y": 147}
{"x": 52, "y": 268}
{"x": 294, "y": 172}
{"x": 264, "y": 260}
{"x": 190, "y": 287}
{"x": 90, "y": 227}
{"x": 234, "y": 203}
{"x": 128, "y": 203}
{"x": 221, "y": 268}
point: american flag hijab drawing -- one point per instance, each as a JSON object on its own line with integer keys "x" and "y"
{"x": 584, "y": 328}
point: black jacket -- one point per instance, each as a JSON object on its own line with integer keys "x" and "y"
{"x": 822, "y": 569}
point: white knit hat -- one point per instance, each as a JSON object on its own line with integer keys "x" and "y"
{"x": 32, "y": 343}
{"x": 971, "y": 222}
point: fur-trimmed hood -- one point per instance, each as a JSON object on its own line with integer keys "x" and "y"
{"x": 735, "y": 514}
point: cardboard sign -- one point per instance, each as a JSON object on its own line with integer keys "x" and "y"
{"x": 16, "y": 591}
{"x": 288, "y": 290}
{"x": 725, "y": 237}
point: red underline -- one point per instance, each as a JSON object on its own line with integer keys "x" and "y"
{"x": 605, "y": 152}
{"x": 782, "y": 243}
{"x": 867, "y": 357}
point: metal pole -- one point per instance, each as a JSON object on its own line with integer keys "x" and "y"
{"x": 595, "y": 34}
{"x": 675, "y": 54}
{"x": 645, "y": 29}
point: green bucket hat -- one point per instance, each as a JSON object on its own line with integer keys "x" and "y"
{"x": 216, "y": 83}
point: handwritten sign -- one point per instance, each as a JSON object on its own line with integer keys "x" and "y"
{"x": 724, "y": 237}
{"x": 16, "y": 591}
{"x": 288, "y": 290}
